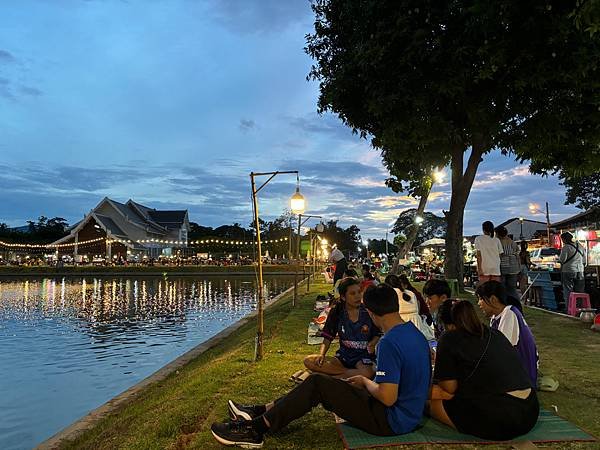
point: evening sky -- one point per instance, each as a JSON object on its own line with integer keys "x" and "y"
{"x": 172, "y": 103}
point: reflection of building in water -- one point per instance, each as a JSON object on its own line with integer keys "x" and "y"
{"x": 114, "y": 230}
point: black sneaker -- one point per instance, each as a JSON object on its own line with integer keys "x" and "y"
{"x": 237, "y": 432}
{"x": 237, "y": 411}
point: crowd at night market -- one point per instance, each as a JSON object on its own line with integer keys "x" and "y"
{"x": 414, "y": 349}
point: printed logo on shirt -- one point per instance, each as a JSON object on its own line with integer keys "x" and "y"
{"x": 380, "y": 373}
{"x": 364, "y": 329}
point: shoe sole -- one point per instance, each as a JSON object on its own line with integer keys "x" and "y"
{"x": 239, "y": 444}
{"x": 235, "y": 413}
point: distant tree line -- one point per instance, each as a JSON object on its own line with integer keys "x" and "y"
{"x": 347, "y": 239}
{"x": 41, "y": 232}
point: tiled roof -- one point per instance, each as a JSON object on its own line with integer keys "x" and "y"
{"x": 168, "y": 217}
{"x": 110, "y": 225}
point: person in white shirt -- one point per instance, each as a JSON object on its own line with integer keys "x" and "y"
{"x": 341, "y": 265}
{"x": 489, "y": 249}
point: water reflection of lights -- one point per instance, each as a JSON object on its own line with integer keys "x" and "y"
{"x": 100, "y": 300}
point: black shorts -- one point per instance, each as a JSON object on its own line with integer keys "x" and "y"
{"x": 350, "y": 363}
{"x": 498, "y": 417}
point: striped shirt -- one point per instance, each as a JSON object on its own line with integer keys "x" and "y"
{"x": 509, "y": 260}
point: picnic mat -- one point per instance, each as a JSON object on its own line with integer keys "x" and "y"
{"x": 549, "y": 428}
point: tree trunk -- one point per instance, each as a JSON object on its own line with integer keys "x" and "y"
{"x": 414, "y": 230}
{"x": 461, "y": 187}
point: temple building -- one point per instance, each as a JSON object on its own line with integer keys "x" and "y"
{"x": 115, "y": 230}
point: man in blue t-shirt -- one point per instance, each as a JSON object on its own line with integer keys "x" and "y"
{"x": 391, "y": 404}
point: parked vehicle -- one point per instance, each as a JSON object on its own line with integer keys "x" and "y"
{"x": 545, "y": 258}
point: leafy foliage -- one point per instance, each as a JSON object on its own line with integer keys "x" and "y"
{"x": 43, "y": 230}
{"x": 429, "y": 81}
{"x": 422, "y": 78}
{"x": 377, "y": 246}
{"x": 582, "y": 191}
{"x": 587, "y": 16}
{"x": 347, "y": 239}
{"x": 432, "y": 227}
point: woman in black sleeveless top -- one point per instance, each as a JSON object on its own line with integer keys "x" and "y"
{"x": 482, "y": 388}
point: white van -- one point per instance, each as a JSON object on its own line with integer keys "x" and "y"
{"x": 545, "y": 258}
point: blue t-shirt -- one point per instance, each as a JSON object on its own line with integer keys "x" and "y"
{"x": 403, "y": 359}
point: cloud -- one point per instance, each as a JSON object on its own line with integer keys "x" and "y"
{"x": 10, "y": 92}
{"x": 247, "y": 125}
{"x": 490, "y": 178}
{"x": 260, "y": 16}
{"x": 6, "y": 57}
{"x": 31, "y": 91}
{"x": 325, "y": 124}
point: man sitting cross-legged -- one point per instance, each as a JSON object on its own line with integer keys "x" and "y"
{"x": 358, "y": 335}
{"x": 391, "y": 404}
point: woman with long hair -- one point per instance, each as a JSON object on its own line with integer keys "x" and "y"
{"x": 482, "y": 388}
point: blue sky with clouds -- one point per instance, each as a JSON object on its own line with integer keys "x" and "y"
{"x": 173, "y": 103}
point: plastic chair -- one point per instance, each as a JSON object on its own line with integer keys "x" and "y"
{"x": 572, "y": 308}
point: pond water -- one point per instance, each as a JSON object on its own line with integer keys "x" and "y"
{"x": 69, "y": 345}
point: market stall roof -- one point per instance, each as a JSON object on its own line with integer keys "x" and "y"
{"x": 584, "y": 218}
{"x": 433, "y": 242}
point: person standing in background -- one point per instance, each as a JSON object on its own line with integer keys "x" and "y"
{"x": 341, "y": 265}
{"x": 525, "y": 260}
{"x": 509, "y": 262}
{"x": 488, "y": 250}
{"x": 572, "y": 260}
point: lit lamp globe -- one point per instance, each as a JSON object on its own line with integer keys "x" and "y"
{"x": 297, "y": 202}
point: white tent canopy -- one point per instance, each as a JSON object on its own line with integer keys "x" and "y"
{"x": 433, "y": 242}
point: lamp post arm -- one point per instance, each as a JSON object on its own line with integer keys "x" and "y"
{"x": 273, "y": 174}
{"x": 308, "y": 217}
{"x": 260, "y": 304}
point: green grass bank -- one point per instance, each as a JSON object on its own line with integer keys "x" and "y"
{"x": 177, "y": 412}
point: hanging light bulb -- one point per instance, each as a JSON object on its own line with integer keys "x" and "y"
{"x": 297, "y": 202}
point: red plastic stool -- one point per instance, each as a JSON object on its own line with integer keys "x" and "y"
{"x": 596, "y": 324}
{"x": 572, "y": 308}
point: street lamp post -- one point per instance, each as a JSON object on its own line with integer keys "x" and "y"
{"x": 297, "y": 201}
{"x": 521, "y": 234}
{"x": 300, "y": 223}
{"x": 535, "y": 209}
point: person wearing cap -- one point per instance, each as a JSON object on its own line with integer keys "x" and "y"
{"x": 572, "y": 260}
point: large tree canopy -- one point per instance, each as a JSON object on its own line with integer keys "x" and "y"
{"x": 582, "y": 191}
{"x": 437, "y": 83}
{"x": 432, "y": 226}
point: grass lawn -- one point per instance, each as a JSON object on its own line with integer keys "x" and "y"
{"x": 177, "y": 413}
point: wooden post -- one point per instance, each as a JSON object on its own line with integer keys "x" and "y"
{"x": 258, "y": 355}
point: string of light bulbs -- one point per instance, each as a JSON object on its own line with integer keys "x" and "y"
{"x": 143, "y": 241}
